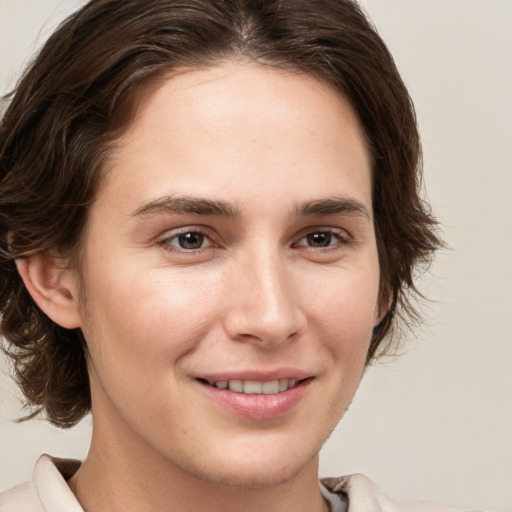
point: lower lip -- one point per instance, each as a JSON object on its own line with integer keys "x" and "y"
{"x": 258, "y": 406}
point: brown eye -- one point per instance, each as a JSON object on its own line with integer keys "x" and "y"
{"x": 320, "y": 239}
{"x": 188, "y": 241}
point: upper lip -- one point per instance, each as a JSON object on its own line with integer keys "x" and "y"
{"x": 256, "y": 375}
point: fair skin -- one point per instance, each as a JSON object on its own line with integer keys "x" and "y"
{"x": 232, "y": 243}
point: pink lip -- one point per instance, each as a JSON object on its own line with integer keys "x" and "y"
{"x": 258, "y": 407}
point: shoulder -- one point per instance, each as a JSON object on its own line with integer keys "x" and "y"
{"x": 47, "y": 492}
{"x": 22, "y": 498}
{"x": 364, "y": 496}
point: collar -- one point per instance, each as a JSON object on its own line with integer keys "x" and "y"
{"x": 50, "y": 475}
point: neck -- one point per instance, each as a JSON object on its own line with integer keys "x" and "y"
{"x": 138, "y": 480}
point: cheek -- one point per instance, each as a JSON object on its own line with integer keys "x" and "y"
{"x": 343, "y": 312}
{"x": 346, "y": 302}
{"x": 139, "y": 330}
{"x": 139, "y": 322}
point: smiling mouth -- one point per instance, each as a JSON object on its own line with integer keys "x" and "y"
{"x": 250, "y": 387}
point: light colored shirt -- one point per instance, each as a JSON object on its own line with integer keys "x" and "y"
{"x": 337, "y": 502}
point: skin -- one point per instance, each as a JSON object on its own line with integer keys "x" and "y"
{"x": 275, "y": 284}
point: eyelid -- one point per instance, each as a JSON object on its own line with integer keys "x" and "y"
{"x": 343, "y": 236}
{"x": 171, "y": 234}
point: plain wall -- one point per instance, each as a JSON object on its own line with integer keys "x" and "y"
{"x": 436, "y": 422}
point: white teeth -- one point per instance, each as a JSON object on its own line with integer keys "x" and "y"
{"x": 270, "y": 388}
{"x": 236, "y": 385}
{"x": 251, "y": 387}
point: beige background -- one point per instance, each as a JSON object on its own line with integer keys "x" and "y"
{"x": 435, "y": 423}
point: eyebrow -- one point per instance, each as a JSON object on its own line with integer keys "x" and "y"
{"x": 188, "y": 204}
{"x": 219, "y": 208}
{"x": 333, "y": 206}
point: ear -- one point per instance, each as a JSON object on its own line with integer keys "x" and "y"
{"x": 53, "y": 287}
{"x": 384, "y": 305}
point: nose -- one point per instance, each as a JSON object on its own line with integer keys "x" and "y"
{"x": 264, "y": 306}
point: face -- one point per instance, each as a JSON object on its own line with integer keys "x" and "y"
{"x": 230, "y": 275}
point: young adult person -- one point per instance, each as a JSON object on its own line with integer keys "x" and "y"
{"x": 210, "y": 220}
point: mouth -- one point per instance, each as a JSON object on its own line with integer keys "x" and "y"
{"x": 252, "y": 387}
{"x": 252, "y": 399}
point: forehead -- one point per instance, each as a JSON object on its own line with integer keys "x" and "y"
{"x": 237, "y": 127}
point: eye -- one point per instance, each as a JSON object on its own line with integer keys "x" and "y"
{"x": 187, "y": 241}
{"x": 323, "y": 239}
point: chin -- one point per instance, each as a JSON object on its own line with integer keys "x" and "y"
{"x": 252, "y": 478}
{"x": 260, "y": 469}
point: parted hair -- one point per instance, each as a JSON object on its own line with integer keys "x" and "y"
{"x": 79, "y": 94}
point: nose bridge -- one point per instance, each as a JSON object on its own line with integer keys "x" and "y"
{"x": 266, "y": 309}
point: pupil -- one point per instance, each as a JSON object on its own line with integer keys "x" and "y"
{"x": 191, "y": 240}
{"x": 319, "y": 239}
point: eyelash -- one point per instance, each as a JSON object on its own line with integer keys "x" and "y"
{"x": 341, "y": 238}
{"x": 166, "y": 242}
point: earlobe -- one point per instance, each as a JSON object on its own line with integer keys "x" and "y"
{"x": 53, "y": 287}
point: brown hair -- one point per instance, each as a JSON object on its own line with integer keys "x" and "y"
{"x": 75, "y": 98}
